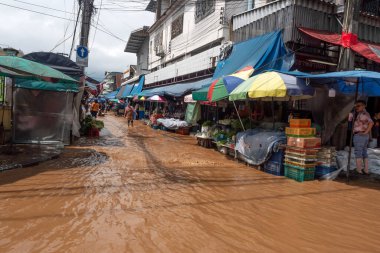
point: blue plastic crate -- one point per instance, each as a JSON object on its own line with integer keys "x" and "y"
{"x": 274, "y": 168}
{"x": 277, "y": 157}
{"x": 323, "y": 170}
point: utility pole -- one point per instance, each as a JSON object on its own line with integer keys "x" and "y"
{"x": 349, "y": 32}
{"x": 87, "y": 7}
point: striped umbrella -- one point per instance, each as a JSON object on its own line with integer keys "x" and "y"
{"x": 272, "y": 86}
{"x": 223, "y": 86}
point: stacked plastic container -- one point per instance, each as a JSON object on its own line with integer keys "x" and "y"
{"x": 326, "y": 161}
{"x": 301, "y": 151}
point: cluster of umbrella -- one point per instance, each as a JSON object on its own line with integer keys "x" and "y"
{"x": 267, "y": 86}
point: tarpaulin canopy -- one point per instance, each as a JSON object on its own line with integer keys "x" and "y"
{"x": 138, "y": 88}
{"x": 262, "y": 53}
{"x": 122, "y": 88}
{"x": 58, "y": 62}
{"x": 111, "y": 94}
{"x": 177, "y": 90}
{"x": 346, "y": 81}
{"x": 34, "y": 68}
{"x": 367, "y": 50}
{"x": 41, "y": 85}
{"x": 273, "y": 85}
{"x": 127, "y": 90}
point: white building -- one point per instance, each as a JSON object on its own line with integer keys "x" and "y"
{"x": 186, "y": 39}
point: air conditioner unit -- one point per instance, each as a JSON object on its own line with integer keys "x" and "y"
{"x": 160, "y": 51}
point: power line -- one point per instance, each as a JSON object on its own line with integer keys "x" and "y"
{"x": 42, "y": 6}
{"x": 63, "y": 18}
{"x": 97, "y": 22}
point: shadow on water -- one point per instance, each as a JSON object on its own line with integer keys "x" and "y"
{"x": 69, "y": 158}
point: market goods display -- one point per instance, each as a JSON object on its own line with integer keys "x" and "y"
{"x": 302, "y": 150}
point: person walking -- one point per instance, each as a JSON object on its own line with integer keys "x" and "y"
{"x": 362, "y": 127}
{"x": 95, "y": 106}
{"x": 129, "y": 114}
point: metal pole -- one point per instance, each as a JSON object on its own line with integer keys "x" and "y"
{"x": 250, "y": 113}
{"x": 351, "y": 137}
{"x": 350, "y": 25}
{"x": 241, "y": 122}
{"x": 274, "y": 120}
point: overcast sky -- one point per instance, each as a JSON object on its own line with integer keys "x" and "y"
{"x": 32, "y": 32}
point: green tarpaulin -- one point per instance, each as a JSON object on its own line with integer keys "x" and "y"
{"x": 41, "y": 85}
{"x": 193, "y": 113}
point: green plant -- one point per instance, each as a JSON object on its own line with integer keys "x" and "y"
{"x": 88, "y": 123}
{"x": 207, "y": 123}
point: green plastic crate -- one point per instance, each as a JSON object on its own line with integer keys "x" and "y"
{"x": 299, "y": 174}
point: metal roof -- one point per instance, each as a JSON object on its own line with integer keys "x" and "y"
{"x": 136, "y": 39}
{"x": 152, "y": 6}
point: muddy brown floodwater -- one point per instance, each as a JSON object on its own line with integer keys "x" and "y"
{"x": 140, "y": 190}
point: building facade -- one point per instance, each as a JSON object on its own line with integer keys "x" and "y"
{"x": 323, "y": 15}
{"x": 186, "y": 39}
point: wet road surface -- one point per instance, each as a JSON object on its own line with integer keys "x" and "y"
{"x": 140, "y": 190}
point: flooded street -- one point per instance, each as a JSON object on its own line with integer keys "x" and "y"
{"x": 141, "y": 190}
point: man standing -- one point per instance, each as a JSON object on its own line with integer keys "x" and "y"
{"x": 129, "y": 114}
{"x": 95, "y": 106}
{"x": 362, "y": 128}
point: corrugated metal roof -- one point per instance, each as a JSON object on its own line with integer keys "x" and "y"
{"x": 136, "y": 39}
{"x": 152, "y": 6}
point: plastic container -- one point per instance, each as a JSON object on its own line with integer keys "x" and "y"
{"x": 300, "y": 132}
{"x": 304, "y": 142}
{"x": 156, "y": 127}
{"x": 277, "y": 157}
{"x": 274, "y": 168}
{"x": 300, "y": 164}
{"x": 299, "y": 174}
{"x": 301, "y": 151}
{"x": 300, "y": 123}
{"x": 323, "y": 170}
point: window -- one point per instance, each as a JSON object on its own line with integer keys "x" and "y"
{"x": 158, "y": 39}
{"x": 177, "y": 26}
{"x": 203, "y": 8}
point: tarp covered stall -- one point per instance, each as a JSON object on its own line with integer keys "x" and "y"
{"x": 127, "y": 91}
{"x": 120, "y": 93}
{"x": 112, "y": 94}
{"x": 177, "y": 90}
{"x": 42, "y": 116}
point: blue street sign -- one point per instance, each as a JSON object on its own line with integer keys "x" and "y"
{"x": 82, "y": 52}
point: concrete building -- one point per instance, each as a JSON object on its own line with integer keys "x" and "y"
{"x": 322, "y": 15}
{"x": 185, "y": 41}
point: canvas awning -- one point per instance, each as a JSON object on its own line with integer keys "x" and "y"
{"x": 177, "y": 90}
{"x": 367, "y": 50}
{"x": 138, "y": 87}
{"x": 263, "y": 52}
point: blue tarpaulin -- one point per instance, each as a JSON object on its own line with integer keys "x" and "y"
{"x": 112, "y": 94}
{"x": 346, "y": 81}
{"x": 127, "y": 90}
{"x": 255, "y": 146}
{"x": 138, "y": 88}
{"x": 262, "y": 53}
{"x": 177, "y": 90}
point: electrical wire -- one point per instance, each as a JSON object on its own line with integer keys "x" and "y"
{"x": 97, "y": 22}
